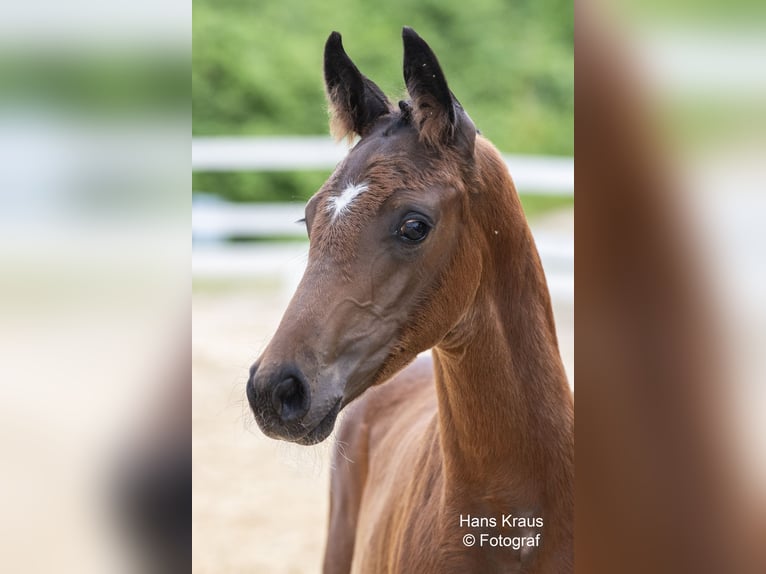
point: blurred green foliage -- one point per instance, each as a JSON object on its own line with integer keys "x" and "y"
{"x": 257, "y": 70}
{"x": 94, "y": 84}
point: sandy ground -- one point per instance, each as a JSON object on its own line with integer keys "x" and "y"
{"x": 259, "y": 506}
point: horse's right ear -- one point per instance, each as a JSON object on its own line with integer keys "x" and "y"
{"x": 355, "y": 101}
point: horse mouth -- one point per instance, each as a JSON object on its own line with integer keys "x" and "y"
{"x": 323, "y": 429}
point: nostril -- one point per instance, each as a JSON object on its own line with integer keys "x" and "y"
{"x": 290, "y": 399}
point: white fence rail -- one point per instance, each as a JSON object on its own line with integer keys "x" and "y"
{"x": 214, "y": 221}
{"x": 547, "y": 175}
{"x": 221, "y": 220}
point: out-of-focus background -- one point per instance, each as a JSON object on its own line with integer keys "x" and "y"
{"x": 94, "y": 284}
{"x": 671, "y": 276}
{"x": 261, "y": 148}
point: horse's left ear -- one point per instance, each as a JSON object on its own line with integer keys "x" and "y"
{"x": 438, "y": 115}
{"x": 355, "y": 101}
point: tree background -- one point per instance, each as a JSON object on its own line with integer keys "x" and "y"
{"x": 257, "y": 70}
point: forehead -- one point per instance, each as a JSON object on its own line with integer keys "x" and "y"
{"x": 388, "y": 159}
{"x": 392, "y": 152}
{"x": 389, "y": 163}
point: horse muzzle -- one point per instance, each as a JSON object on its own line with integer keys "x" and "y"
{"x": 284, "y": 408}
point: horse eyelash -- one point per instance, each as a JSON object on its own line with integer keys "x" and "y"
{"x": 301, "y": 220}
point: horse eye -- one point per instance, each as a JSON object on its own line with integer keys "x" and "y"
{"x": 414, "y": 230}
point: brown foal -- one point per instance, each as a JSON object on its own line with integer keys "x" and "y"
{"x": 418, "y": 241}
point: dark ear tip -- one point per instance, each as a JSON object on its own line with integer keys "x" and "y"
{"x": 410, "y": 36}
{"x": 334, "y": 41}
{"x": 414, "y": 44}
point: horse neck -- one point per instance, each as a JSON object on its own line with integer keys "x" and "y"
{"x": 505, "y": 408}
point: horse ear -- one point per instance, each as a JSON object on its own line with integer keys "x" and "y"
{"x": 355, "y": 101}
{"x": 438, "y": 115}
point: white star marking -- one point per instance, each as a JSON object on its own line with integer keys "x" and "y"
{"x": 339, "y": 204}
